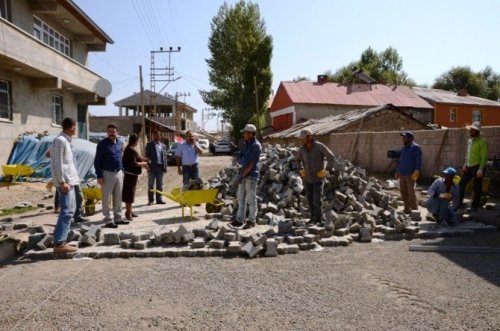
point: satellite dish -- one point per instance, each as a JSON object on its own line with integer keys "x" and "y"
{"x": 103, "y": 88}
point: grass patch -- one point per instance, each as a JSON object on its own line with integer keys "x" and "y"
{"x": 15, "y": 211}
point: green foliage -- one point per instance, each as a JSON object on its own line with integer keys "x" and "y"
{"x": 240, "y": 50}
{"x": 385, "y": 67}
{"x": 484, "y": 84}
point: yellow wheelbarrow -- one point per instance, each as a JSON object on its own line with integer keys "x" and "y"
{"x": 91, "y": 195}
{"x": 190, "y": 198}
{"x": 13, "y": 171}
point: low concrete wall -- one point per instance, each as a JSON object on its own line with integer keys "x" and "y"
{"x": 370, "y": 152}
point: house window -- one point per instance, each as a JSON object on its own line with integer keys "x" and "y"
{"x": 57, "y": 109}
{"x": 453, "y": 114}
{"x": 5, "y": 9}
{"x": 5, "y": 100}
{"x": 50, "y": 36}
{"x": 477, "y": 115}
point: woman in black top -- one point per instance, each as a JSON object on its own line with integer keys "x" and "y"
{"x": 133, "y": 164}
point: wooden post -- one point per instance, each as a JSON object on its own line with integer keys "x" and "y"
{"x": 143, "y": 133}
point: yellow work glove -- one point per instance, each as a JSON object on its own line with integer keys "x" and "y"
{"x": 415, "y": 175}
{"x": 302, "y": 173}
{"x": 321, "y": 173}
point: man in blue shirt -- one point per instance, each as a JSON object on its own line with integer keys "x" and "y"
{"x": 186, "y": 155}
{"x": 443, "y": 198}
{"x": 248, "y": 177}
{"x": 410, "y": 165}
{"x": 109, "y": 170}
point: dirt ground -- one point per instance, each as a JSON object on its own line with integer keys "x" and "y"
{"x": 377, "y": 286}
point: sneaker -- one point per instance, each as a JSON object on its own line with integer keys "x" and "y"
{"x": 236, "y": 224}
{"x": 111, "y": 225}
{"x": 122, "y": 221}
{"x": 248, "y": 225}
{"x": 64, "y": 248}
{"x": 81, "y": 220}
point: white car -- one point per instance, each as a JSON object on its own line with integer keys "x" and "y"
{"x": 204, "y": 143}
{"x": 223, "y": 147}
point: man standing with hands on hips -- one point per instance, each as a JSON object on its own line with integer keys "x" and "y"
{"x": 475, "y": 162}
{"x": 156, "y": 152}
{"x": 410, "y": 165}
{"x": 186, "y": 155}
{"x": 109, "y": 170}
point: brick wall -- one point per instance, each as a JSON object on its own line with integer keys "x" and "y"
{"x": 372, "y": 147}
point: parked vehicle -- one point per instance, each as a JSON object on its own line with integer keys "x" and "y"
{"x": 223, "y": 147}
{"x": 204, "y": 143}
{"x": 171, "y": 154}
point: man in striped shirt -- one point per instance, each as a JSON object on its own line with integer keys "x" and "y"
{"x": 65, "y": 178}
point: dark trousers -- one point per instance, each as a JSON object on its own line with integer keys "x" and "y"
{"x": 478, "y": 186}
{"x": 155, "y": 174}
{"x": 188, "y": 173}
{"x": 314, "y": 195}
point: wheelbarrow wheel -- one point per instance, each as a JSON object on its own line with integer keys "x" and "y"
{"x": 213, "y": 207}
{"x": 89, "y": 207}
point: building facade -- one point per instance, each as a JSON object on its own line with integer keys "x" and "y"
{"x": 43, "y": 68}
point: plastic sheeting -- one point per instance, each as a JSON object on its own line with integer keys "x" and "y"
{"x": 31, "y": 151}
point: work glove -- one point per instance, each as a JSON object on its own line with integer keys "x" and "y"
{"x": 479, "y": 173}
{"x": 302, "y": 173}
{"x": 415, "y": 175}
{"x": 321, "y": 173}
{"x": 446, "y": 196}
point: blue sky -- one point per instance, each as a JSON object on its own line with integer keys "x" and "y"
{"x": 309, "y": 37}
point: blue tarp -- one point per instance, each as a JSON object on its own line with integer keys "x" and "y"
{"x": 31, "y": 151}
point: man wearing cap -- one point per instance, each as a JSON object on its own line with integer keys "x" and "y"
{"x": 186, "y": 155}
{"x": 247, "y": 179}
{"x": 410, "y": 165}
{"x": 442, "y": 201}
{"x": 475, "y": 162}
{"x": 311, "y": 157}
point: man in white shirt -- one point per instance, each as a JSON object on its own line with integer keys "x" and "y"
{"x": 65, "y": 178}
{"x": 186, "y": 155}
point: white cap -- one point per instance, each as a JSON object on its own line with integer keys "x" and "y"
{"x": 475, "y": 126}
{"x": 249, "y": 128}
{"x": 305, "y": 132}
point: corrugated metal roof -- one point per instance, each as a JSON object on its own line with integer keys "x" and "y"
{"x": 369, "y": 95}
{"x": 443, "y": 96}
{"x": 330, "y": 124}
{"x": 161, "y": 100}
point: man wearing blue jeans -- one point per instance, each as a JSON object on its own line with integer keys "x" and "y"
{"x": 248, "y": 158}
{"x": 186, "y": 155}
{"x": 444, "y": 198}
{"x": 156, "y": 152}
{"x": 311, "y": 157}
{"x": 65, "y": 177}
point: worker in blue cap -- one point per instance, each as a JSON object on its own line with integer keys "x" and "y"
{"x": 443, "y": 198}
{"x": 408, "y": 171}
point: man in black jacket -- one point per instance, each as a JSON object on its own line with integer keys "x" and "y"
{"x": 156, "y": 152}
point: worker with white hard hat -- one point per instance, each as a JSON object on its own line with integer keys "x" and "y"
{"x": 475, "y": 162}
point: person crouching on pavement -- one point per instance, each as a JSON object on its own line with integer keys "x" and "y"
{"x": 249, "y": 159}
{"x": 186, "y": 155}
{"x": 311, "y": 157}
{"x": 410, "y": 165}
{"x": 443, "y": 198}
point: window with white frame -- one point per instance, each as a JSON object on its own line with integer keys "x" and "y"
{"x": 5, "y": 100}
{"x": 5, "y": 9}
{"x": 50, "y": 36}
{"x": 57, "y": 109}
{"x": 453, "y": 114}
{"x": 477, "y": 115}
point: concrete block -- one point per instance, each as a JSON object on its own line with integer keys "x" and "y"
{"x": 329, "y": 242}
{"x": 258, "y": 239}
{"x": 200, "y": 232}
{"x": 282, "y": 249}
{"x": 143, "y": 244}
{"x": 295, "y": 239}
{"x": 7, "y": 227}
{"x": 188, "y": 237}
{"x": 20, "y": 226}
{"x": 309, "y": 237}
{"x": 198, "y": 242}
{"x": 201, "y": 252}
{"x": 34, "y": 239}
{"x": 172, "y": 252}
{"x": 126, "y": 243}
{"x": 270, "y": 232}
{"x": 279, "y": 239}
{"x": 46, "y": 242}
{"x": 366, "y": 235}
{"x": 341, "y": 232}
{"x": 285, "y": 227}
{"x": 214, "y": 225}
{"x": 317, "y": 230}
{"x": 354, "y": 228}
{"x": 251, "y": 250}
{"x": 230, "y": 236}
{"x": 216, "y": 244}
{"x": 10, "y": 219}
{"x": 179, "y": 234}
{"x": 411, "y": 230}
{"x": 227, "y": 218}
{"x": 415, "y": 216}
{"x": 94, "y": 231}
{"x": 344, "y": 241}
{"x": 299, "y": 231}
{"x": 88, "y": 240}
{"x": 234, "y": 247}
{"x": 303, "y": 246}
{"x": 74, "y": 235}
{"x": 111, "y": 238}
{"x": 125, "y": 235}
{"x": 292, "y": 249}
{"x": 271, "y": 248}
{"x": 37, "y": 229}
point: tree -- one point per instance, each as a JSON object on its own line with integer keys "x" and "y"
{"x": 484, "y": 84}
{"x": 385, "y": 67}
{"x": 241, "y": 54}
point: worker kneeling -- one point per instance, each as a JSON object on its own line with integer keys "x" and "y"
{"x": 443, "y": 198}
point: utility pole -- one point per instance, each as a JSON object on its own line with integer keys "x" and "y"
{"x": 179, "y": 112}
{"x": 143, "y": 133}
{"x": 257, "y": 105}
{"x": 161, "y": 74}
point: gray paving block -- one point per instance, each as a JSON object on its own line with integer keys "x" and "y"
{"x": 34, "y": 239}
{"x": 126, "y": 243}
{"x": 188, "y": 237}
{"x": 111, "y": 238}
{"x": 251, "y": 250}
{"x": 216, "y": 243}
{"x": 309, "y": 238}
{"x": 366, "y": 235}
{"x": 46, "y": 242}
{"x": 87, "y": 240}
{"x": 258, "y": 239}
{"x": 271, "y": 248}
{"x": 143, "y": 244}
{"x": 179, "y": 234}
{"x": 230, "y": 236}
{"x": 213, "y": 225}
{"x": 234, "y": 247}
{"x": 198, "y": 242}
{"x": 295, "y": 239}
{"x": 341, "y": 232}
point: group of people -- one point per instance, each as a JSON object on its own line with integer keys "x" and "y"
{"x": 445, "y": 197}
{"x": 117, "y": 169}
